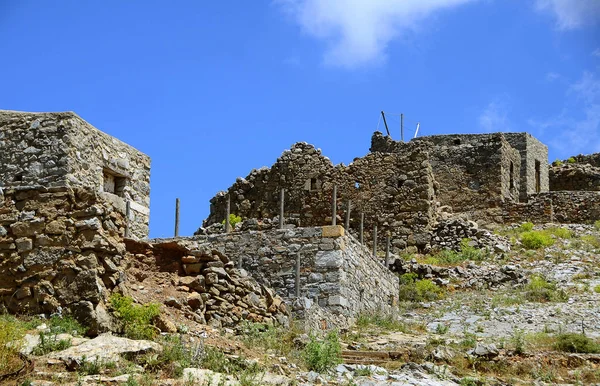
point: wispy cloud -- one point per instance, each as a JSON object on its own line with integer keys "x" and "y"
{"x": 596, "y": 52}
{"x": 552, "y": 76}
{"x": 571, "y": 14}
{"x": 577, "y": 128}
{"x": 494, "y": 117}
{"x": 357, "y": 32}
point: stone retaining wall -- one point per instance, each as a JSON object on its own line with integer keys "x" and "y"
{"x": 575, "y": 177}
{"x": 338, "y": 277}
{"x": 561, "y": 206}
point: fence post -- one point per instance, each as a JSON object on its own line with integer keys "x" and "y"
{"x": 281, "y": 207}
{"x": 362, "y": 223}
{"x": 348, "y": 209}
{"x": 227, "y": 213}
{"x": 177, "y": 217}
{"x": 127, "y": 215}
{"x": 334, "y": 206}
{"x": 375, "y": 240}
{"x": 297, "y": 279}
{"x": 387, "y": 250}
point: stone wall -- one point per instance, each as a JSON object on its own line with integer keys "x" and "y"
{"x": 534, "y": 162}
{"x": 590, "y": 159}
{"x": 575, "y": 177}
{"x": 60, "y": 249}
{"x": 61, "y": 149}
{"x": 338, "y": 277}
{"x": 560, "y": 206}
{"x": 394, "y": 191}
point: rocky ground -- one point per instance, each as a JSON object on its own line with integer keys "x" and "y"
{"x": 468, "y": 317}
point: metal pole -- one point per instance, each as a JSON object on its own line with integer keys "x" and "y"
{"x": 362, "y": 223}
{"x": 334, "y": 206}
{"x": 402, "y": 127}
{"x": 348, "y": 209}
{"x": 375, "y": 240}
{"x": 281, "y": 206}
{"x": 176, "y": 217}
{"x": 385, "y": 123}
{"x": 387, "y": 250}
{"x": 127, "y": 215}
{"x": 297, "y": 281}
{"x": 227, "y": 213}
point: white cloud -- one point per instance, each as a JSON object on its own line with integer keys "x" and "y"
{"x": 577, "y": 128}
{"x": 571, "y": 14}
{"x": 596, "y": 52}
{"x": 494, "y": 117}
{"x": 552, "y": 76}
{"x": 357, "y": 32}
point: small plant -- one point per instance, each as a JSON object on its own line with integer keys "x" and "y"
{"x": 526, "y": 227}
{"x": 323, "y": 355}
{"x": 412, "y": 289}
{"x": 557, "y": 162}
{"x": 576, "y": 343}
{"x": 597, "y": 225}
{"x": 571, "y": 160}
{"x": 233, "y": 220}
{"x": 597, "y": 289}
{"x": 364, "y": 371}
{"x": 536, "y": 239}
{"x": 518, "y": 340}
{"x": 386, "y": 322}
{"x": 136, "y": 318}
{"x": 94, "y": 367}
{"x": 65, "y": 325}
{"x": 561, "y": 233}
{"x": 49, "y": 343}
{"x": 441, "y": 328}
{"x": 540, "y": 290}
{"x": 11, "y": 334}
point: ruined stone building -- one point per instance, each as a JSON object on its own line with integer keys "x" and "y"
{"x": 402, "y": 187}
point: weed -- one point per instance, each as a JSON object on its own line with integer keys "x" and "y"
{"x": 386, "y": 322}
{"x": 518, "y": 340}
{"x": 561, "y": 233}
{"x": 525, "y": 227}
{"x": 136, "y": 318}
{"x": 597, "y": 289}
{"x": 233, "y": 220}
{"x": 571, "y": 160}
{"x": 557, "y": 162}
{"x": 322, "y": 355}
{"x": 415, "y": 290}
{"x": 269, "y": 337}
{"x": 65, "y": 325}
{"x": 468, "y": 381}
{"x": 469, "y": 340}
{"x": 441, "y": 328}
{"x": 94, "y": 367}
{"x": 49, "y": 343}
{"x": 576, "y": 343}
{"x": 540, "y": 290}
{"x": 592, "y": 241}
{"x": 11, "y": 333}
{"x": 364, "y": 371}
{"x": 597, "y": 225}
{"x": 536, "y": 239}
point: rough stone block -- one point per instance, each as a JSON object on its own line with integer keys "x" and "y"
{"x": 333, "y": 231}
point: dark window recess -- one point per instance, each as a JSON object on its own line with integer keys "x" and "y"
{"x": 114, "y": 183}
{"x": 313, "y": 184}
{"x": 512, "y": 176}
{"x": 457, "y": 141}
{"x": 400, "y": 183}
{"x": 538, "y": 182}
{"x": 18, "y": 177}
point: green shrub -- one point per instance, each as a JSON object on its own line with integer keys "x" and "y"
{"x": 136, "y": 318}
{"x": 65, "y": 325}
{"x": 387, "y": 322}
{"x": 469, "y": 252}
{"x": 536, "y": 239}
{"x": 49, "y": 343}
{"x": 323, "y": 355}
{"x": 557, "y": 162}
{"x": 414, "y": 290}
{"x": 11, "y": 335}
{"x": 597, "y": 225}
{"x": 562, "y": 233}
{"x": 571, "y": 160}
{"x": 597, "y": 289}
{"x": 576, "y": 343}
{"x": 526, "y": 227}
{"x": 268, "y": 337}
{"x": 233, "y": 220}
{"x": 540, "y": 290}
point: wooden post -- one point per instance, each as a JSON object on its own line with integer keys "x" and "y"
{"x": 348, "y": 209}
{"x": 177, "y": 217}
{"x": 227, "y": 213}
{"x": 375, "y": 240}
{"x": 334, "y": 206}
{"x": 387, "y": 251}
{"x": 281, "y": 207}
{"x": 297, "y": 279}
{"x": 127, "y": 215}
{"x": 361, "y": 229}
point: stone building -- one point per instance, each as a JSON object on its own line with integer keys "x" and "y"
{"x": 55, "y": 150}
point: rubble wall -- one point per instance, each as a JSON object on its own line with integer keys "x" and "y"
{"x": 590, "y": 159}
{"x": 567, "y": 207}
{"x": 394, "y": 191}
{"x": 575, "y": 177}
{"x": 532, "y": 152}
{"x": 60, "y": 249}
{"x": 338, "y": 277}
{"x": 61, "y": 149}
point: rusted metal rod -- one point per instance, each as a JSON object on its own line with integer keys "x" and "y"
{"x": 177, "y": 217}
{"x": 281, "y": 207}
{"x": 227, "y": 213}
{"x": 348, "y": 209}
{"x": 334, "y": 206}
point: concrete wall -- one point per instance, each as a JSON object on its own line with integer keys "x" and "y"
{"x": 339, "y": 278}
{"x": 61, "y": 149}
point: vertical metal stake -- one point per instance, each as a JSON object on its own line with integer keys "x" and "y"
{"x": 334, "y": 206}
{"x": 281, "y": 207}
{"x": 375, "y": 240}
{"x": 348, "y": 209}
{"x": 227, "y": 213}
{"x": 177, "y": 217}
{"x": 127, "y": 215}
{"x": 387, "y": 251}
{"x": 297, "y": 281}
{"x": 362, "y": 223}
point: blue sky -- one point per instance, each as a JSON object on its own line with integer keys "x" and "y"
{"x": 212, "y": 89}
